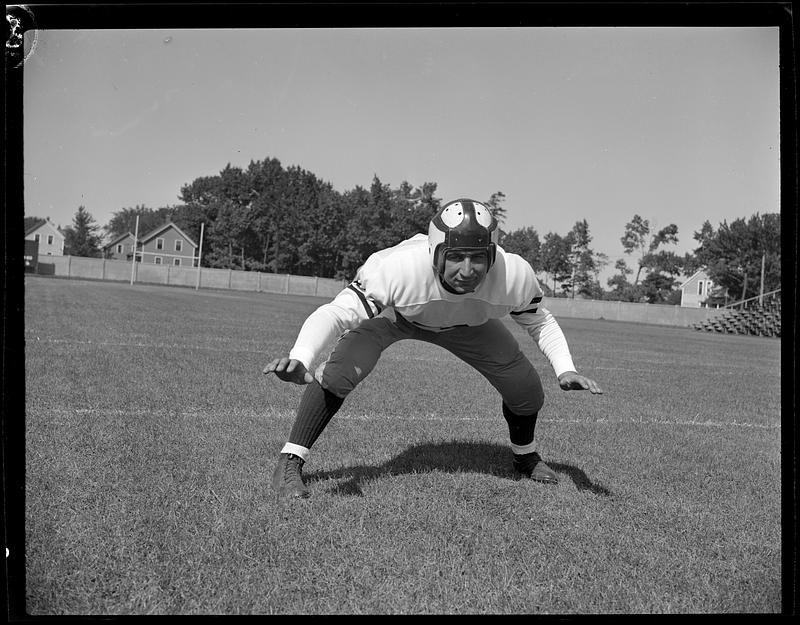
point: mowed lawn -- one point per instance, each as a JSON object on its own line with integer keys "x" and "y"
{"x": 151, "y": 435}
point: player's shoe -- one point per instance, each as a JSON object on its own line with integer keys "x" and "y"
{"x": 532, "y": 466}
{"x": 287, "y": 480}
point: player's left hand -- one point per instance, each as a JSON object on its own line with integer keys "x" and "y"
{"x": 571, "y": 381}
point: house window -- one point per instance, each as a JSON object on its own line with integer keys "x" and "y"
{"x": 176, "y": 262}
{"x": 119, "y": 248}
{"x": 159, "y": 244}
{"x": 700, "y": 287}
{"x": 178, "y": 245}
{"x": 36, "y": 237}
{"x": 49, "y": 239}
{"x": 157, "y": 260}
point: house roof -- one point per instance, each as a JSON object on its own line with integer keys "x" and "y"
{"x": 43, "y": 222}
{"x": 121, "y": 237}
{"x": 154, "y": 233}
{"x": 35, "y": 227}
{"x": 693, "y": 276}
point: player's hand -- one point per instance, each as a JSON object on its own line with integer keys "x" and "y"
{"x": 289, "y": 370}
{"x": 571, "y": 381}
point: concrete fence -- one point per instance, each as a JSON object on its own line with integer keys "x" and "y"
{"x": 119, "y": 270}
{"x": 659, "y": 314}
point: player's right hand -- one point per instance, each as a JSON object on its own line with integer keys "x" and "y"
{"x": 289, "y": 370}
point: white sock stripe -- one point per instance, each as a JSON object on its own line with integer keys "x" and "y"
{"x": 523, "y": 449}
{"x": 297, "y": 450}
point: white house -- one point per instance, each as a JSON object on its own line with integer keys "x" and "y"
{"x": 695, "y": 291}
{"x": 49, "y": 237}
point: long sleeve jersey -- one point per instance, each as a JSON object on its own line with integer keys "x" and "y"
{"x": 402, "y": 277}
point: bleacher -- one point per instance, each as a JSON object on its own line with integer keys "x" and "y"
{"x": 755, "y": 316}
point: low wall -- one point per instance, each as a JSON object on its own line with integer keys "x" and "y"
{"x": 120, "y": 270}
{"x": 659, "y": 314}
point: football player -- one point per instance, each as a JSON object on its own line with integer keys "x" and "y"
{"x": 449, "y": 288}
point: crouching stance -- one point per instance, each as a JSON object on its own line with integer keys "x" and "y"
{"x": 449, "y": 288}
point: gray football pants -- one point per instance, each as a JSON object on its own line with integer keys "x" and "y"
{"x": 489, "y": 348}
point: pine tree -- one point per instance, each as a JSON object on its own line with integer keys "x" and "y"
{"x": 81, "y": 239}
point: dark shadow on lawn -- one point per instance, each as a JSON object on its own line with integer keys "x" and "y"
{"x": 462, "y": 457}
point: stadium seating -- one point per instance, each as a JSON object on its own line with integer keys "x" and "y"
{"x": 749, "y": 317}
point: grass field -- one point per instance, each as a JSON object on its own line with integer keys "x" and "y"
{"x": 151, "y": 434}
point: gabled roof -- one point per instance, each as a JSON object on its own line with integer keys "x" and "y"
{"x": 43, "y": 222}
{"x": 154, "y": 233}
{"x": 35, "y": 227}
{"x": 693, "y": 276}
{"x": 121, "y": 237}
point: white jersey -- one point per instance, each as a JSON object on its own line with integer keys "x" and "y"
{"x": 402, "y": 278}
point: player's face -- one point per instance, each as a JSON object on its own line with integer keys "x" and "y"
{"x": 464, "y": 270}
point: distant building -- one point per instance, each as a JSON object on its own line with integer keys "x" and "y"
{"x": 167, "y": 245}
{"x": 696, "y": 290}
{"x": 48, "y": 236}
{"x": 120, "y": 248}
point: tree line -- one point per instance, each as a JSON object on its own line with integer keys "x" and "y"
{"x": 286, "y": 220}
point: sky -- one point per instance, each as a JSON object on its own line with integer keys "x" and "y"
{"x": 676, "y": 124}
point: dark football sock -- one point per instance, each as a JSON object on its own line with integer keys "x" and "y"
{"x": 317, "y": 407}
{"x": 520, "y": 427}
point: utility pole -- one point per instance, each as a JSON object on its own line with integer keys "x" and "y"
{"x": 135, "y": 245}
{"x": 573, "y": 282}
{"x": 761, "y": 294}
{"x": 200, "y": 255}
{"x": 744, "y": 289}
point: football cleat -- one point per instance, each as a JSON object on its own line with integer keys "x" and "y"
{"x": 287, "y": 480}
{"x": 532, "y": 466}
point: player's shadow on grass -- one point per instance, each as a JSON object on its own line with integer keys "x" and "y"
{"x": 455, "y": 457}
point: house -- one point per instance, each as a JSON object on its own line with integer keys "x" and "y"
{"x": 695, "y": 291}
{"x": 167, "y": 244}
{"x": 48, "y": 236}
{"x": 120, "y": 248}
